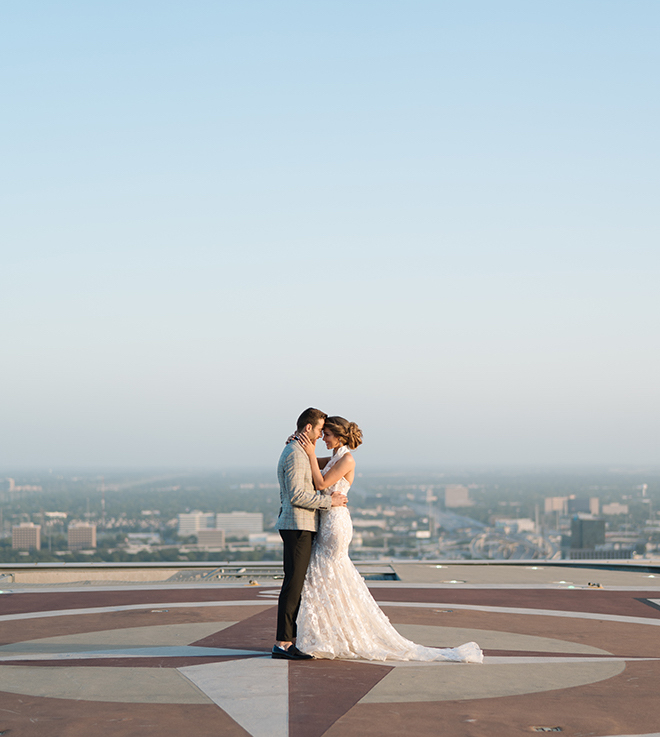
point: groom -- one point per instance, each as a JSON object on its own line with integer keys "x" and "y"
{"x": 297, "y": 524}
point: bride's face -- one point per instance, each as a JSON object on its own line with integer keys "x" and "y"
{"x": 331, "y": 440}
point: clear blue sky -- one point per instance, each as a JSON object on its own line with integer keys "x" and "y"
{"x": 438, "y": 219}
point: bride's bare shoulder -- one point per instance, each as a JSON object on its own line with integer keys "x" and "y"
{"x": 347, "y": 459}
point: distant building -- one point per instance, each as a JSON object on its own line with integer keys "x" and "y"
{"x": 266, "y": 539}
{"x": 515, "y": 526}
{"x": 615, "y": 508}
{"x": 81, "y": 536}
{"x": 211, "y": 538}
{"x": 586, "y": 534}
{"x": 382, "y": 523}
{"x": 191, "y": 523}
{"x": 584, "y": 505}
{"x": 240, "y": 524}
{"x": 566, "y": 505}
{"x": 602, "y": 553}
{"x": 457, "y": 496}
{"x": 556, "y": 504}
{"x": 13, "y": 487}
{"x": 143, "y": 538}
{"x": 56, "y": 515}
{"x": 26, "y": 536}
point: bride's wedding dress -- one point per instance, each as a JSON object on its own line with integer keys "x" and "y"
{"x": 338, "y": 616}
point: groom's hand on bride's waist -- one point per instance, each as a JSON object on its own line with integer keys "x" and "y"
{"x": 338, "y": 499}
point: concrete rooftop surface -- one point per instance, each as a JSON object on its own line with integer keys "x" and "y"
{"x": 568, "y": 649}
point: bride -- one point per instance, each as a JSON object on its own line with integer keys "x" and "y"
{"x": 338, "y": 617}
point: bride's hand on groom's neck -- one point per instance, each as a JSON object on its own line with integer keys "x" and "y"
{"x": 306, "y": 443}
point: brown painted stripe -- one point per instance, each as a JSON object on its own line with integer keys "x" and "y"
{"x": 597, "y": 601}
{"x": 32, "y": 716}
{"x": 20, "y": 630}
{"x": 625, "y": 704}
{"x": 49, "y": 601}
{"x": 543, "y": 654}
{"x": 253, "y": 633}
{"x": 618, "y": 638}
{"x": 626, "y": 603}
{"x": 322, "y": 691}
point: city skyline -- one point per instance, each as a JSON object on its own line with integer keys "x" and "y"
{"x": 435, "y": 219}
{"x": 211, "y": 516}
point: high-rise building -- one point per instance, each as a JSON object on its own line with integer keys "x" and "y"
{"x": 587, "y": 533}
{"x": 240, "y": 524}
{"x": 457, "y": 496}
{"x": 191, "y": 522}
{"x": 26, "y": 536}
{"x": 82, "y": 536}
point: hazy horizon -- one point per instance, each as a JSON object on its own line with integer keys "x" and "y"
{"x": 370, "y": 470}
{"x": 436, "y": 219}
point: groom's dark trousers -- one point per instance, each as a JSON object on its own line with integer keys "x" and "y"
{"x": 297, "y": 551}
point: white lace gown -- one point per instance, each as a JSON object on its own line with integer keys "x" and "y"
{"x": 338, "y": 616}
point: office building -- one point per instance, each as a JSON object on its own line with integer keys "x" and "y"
{"x": 211, "y": 538}
{"x": 192, "y": 522}
{"x": 457, "y": 496}
{"x": 615, "y": 508}
{"x": 240, "y": 524}
{"x": 586, "y": 534}
{"x": 26, "y": 536}
{"x": 515, "y": 526}
{"x": 81, "y": 536}
{"x": 556, "y": 504}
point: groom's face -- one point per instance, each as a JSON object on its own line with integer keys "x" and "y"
{"x": 314, "y": 432}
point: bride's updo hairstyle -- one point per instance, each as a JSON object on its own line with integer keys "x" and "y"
{"x": 347, "y": 432}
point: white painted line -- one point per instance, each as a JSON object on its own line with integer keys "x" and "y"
{"x": 130, "y": 607}
{"x": 183, "y": 651}
{"x": 653, "y": 734}
{"x": 652, "y": 589}
{"x": 500, "y": 660}
{"x": 46, "y": 589}
{"x": 521, "y": 660}
{"x": 254, "y": 692}
{"x": 138, "y": 586}
{"x": 266, "y": 602}
{"x": 518, "y": 610}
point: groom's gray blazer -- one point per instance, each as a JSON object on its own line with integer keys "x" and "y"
{"x": 298, "y": 497}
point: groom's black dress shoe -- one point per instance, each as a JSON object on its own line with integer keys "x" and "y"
{"x": 292, "y": 653}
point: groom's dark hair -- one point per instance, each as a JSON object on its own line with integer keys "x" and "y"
{"x": 311, "y": 417}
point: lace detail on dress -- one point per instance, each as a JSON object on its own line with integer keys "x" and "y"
{"x": 338, "y": 616}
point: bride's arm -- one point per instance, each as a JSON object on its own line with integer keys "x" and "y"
{"x": 317, "y": 476}
{"x": 345, "y": 464}
{"x": 338, "y": 471}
